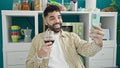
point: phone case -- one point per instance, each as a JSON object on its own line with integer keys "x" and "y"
{"x": 95, "y": 19}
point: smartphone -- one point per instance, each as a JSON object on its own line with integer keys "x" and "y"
{"x": 95, "y": 19}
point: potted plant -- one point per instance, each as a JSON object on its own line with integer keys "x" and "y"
{"x": 114, "y": 7}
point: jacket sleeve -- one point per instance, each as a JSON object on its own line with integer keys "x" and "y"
{"x": 85, "y": 48}
{"x": 31, "y": 61}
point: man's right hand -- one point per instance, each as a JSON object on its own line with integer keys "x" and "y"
{"x": 45, "y": 50}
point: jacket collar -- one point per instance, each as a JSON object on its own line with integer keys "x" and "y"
{"x": 62, "y": 33}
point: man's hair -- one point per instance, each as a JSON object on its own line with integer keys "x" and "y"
{"x": 50, "y": 8}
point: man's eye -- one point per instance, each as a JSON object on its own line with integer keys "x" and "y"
{"x": 59, "y": 17}
{"x": 52, "y": 18}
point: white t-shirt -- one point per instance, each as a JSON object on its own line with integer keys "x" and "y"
{"x": 57, "y": 59}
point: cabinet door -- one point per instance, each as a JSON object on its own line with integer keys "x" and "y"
{"x": 105, "y": 53}
{"x": 109, "y": 44}
{"x": 14, "y": 58}
{"x": 101, "y": 64}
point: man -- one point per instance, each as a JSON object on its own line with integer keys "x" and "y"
{"x": 66, "y": 50}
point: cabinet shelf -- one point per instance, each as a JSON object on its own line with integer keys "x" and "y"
{"x": 19, "y": 13}
{"x": 19, "y": 43}
{"x": 17, "y": 47}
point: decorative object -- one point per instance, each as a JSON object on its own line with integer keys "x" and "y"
{"x": 27, "y": 33}
{"x": 15, "y": 34}
{"x": 44, "y": 4}
{"x": 106, "y": 34}
{"x": 62, "y": 7}
{"x": 73, "y": 5}
{"x": 16, "y": 5}
{"x": 90, "y": 4}
{"x": 25, "y": 5}
{"x": 38, "y": 5}
{"x": 114, "y": 6}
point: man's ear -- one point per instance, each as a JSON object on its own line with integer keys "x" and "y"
{"x": 44, "y": 20}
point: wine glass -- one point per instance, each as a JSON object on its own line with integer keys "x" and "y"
{"x": 49, "y": 37}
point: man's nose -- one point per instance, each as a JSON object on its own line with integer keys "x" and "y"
{"x": 57, "y": 20}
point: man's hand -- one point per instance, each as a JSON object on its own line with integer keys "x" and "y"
{"x": 97, "y": 35}
{"x": 45, "y": 50}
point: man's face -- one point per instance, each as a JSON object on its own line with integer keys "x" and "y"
{"x": 54, "y": 21}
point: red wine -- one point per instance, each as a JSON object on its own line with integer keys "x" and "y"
{"x": 46, "y": 41}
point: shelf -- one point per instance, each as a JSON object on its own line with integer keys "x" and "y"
{"x": 109, "y": 43}
{"x": 74, "y": 12}
{"x": 19, "y": 43}
{"x": 32, "y": 13}
{"x": 19, "y": 13}
{"x": 108, "y": 14}
{"x": 17, "y": 47}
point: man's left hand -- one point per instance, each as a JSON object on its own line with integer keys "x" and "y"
{"x": 97, "y": 35}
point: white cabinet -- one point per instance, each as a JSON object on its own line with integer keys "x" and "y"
{"x": 107, "y": 56}
{"x": 15, "y": 53}
{"x": 18, "y": 57}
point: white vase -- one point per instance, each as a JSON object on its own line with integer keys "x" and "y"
{"x": 44, "y": 4}
{"x": 90, "y": 4}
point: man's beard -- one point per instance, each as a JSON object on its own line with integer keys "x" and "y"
{"x": 52, "y": 27}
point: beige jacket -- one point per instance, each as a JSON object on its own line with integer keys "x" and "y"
{"x": 71, "y": 45}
